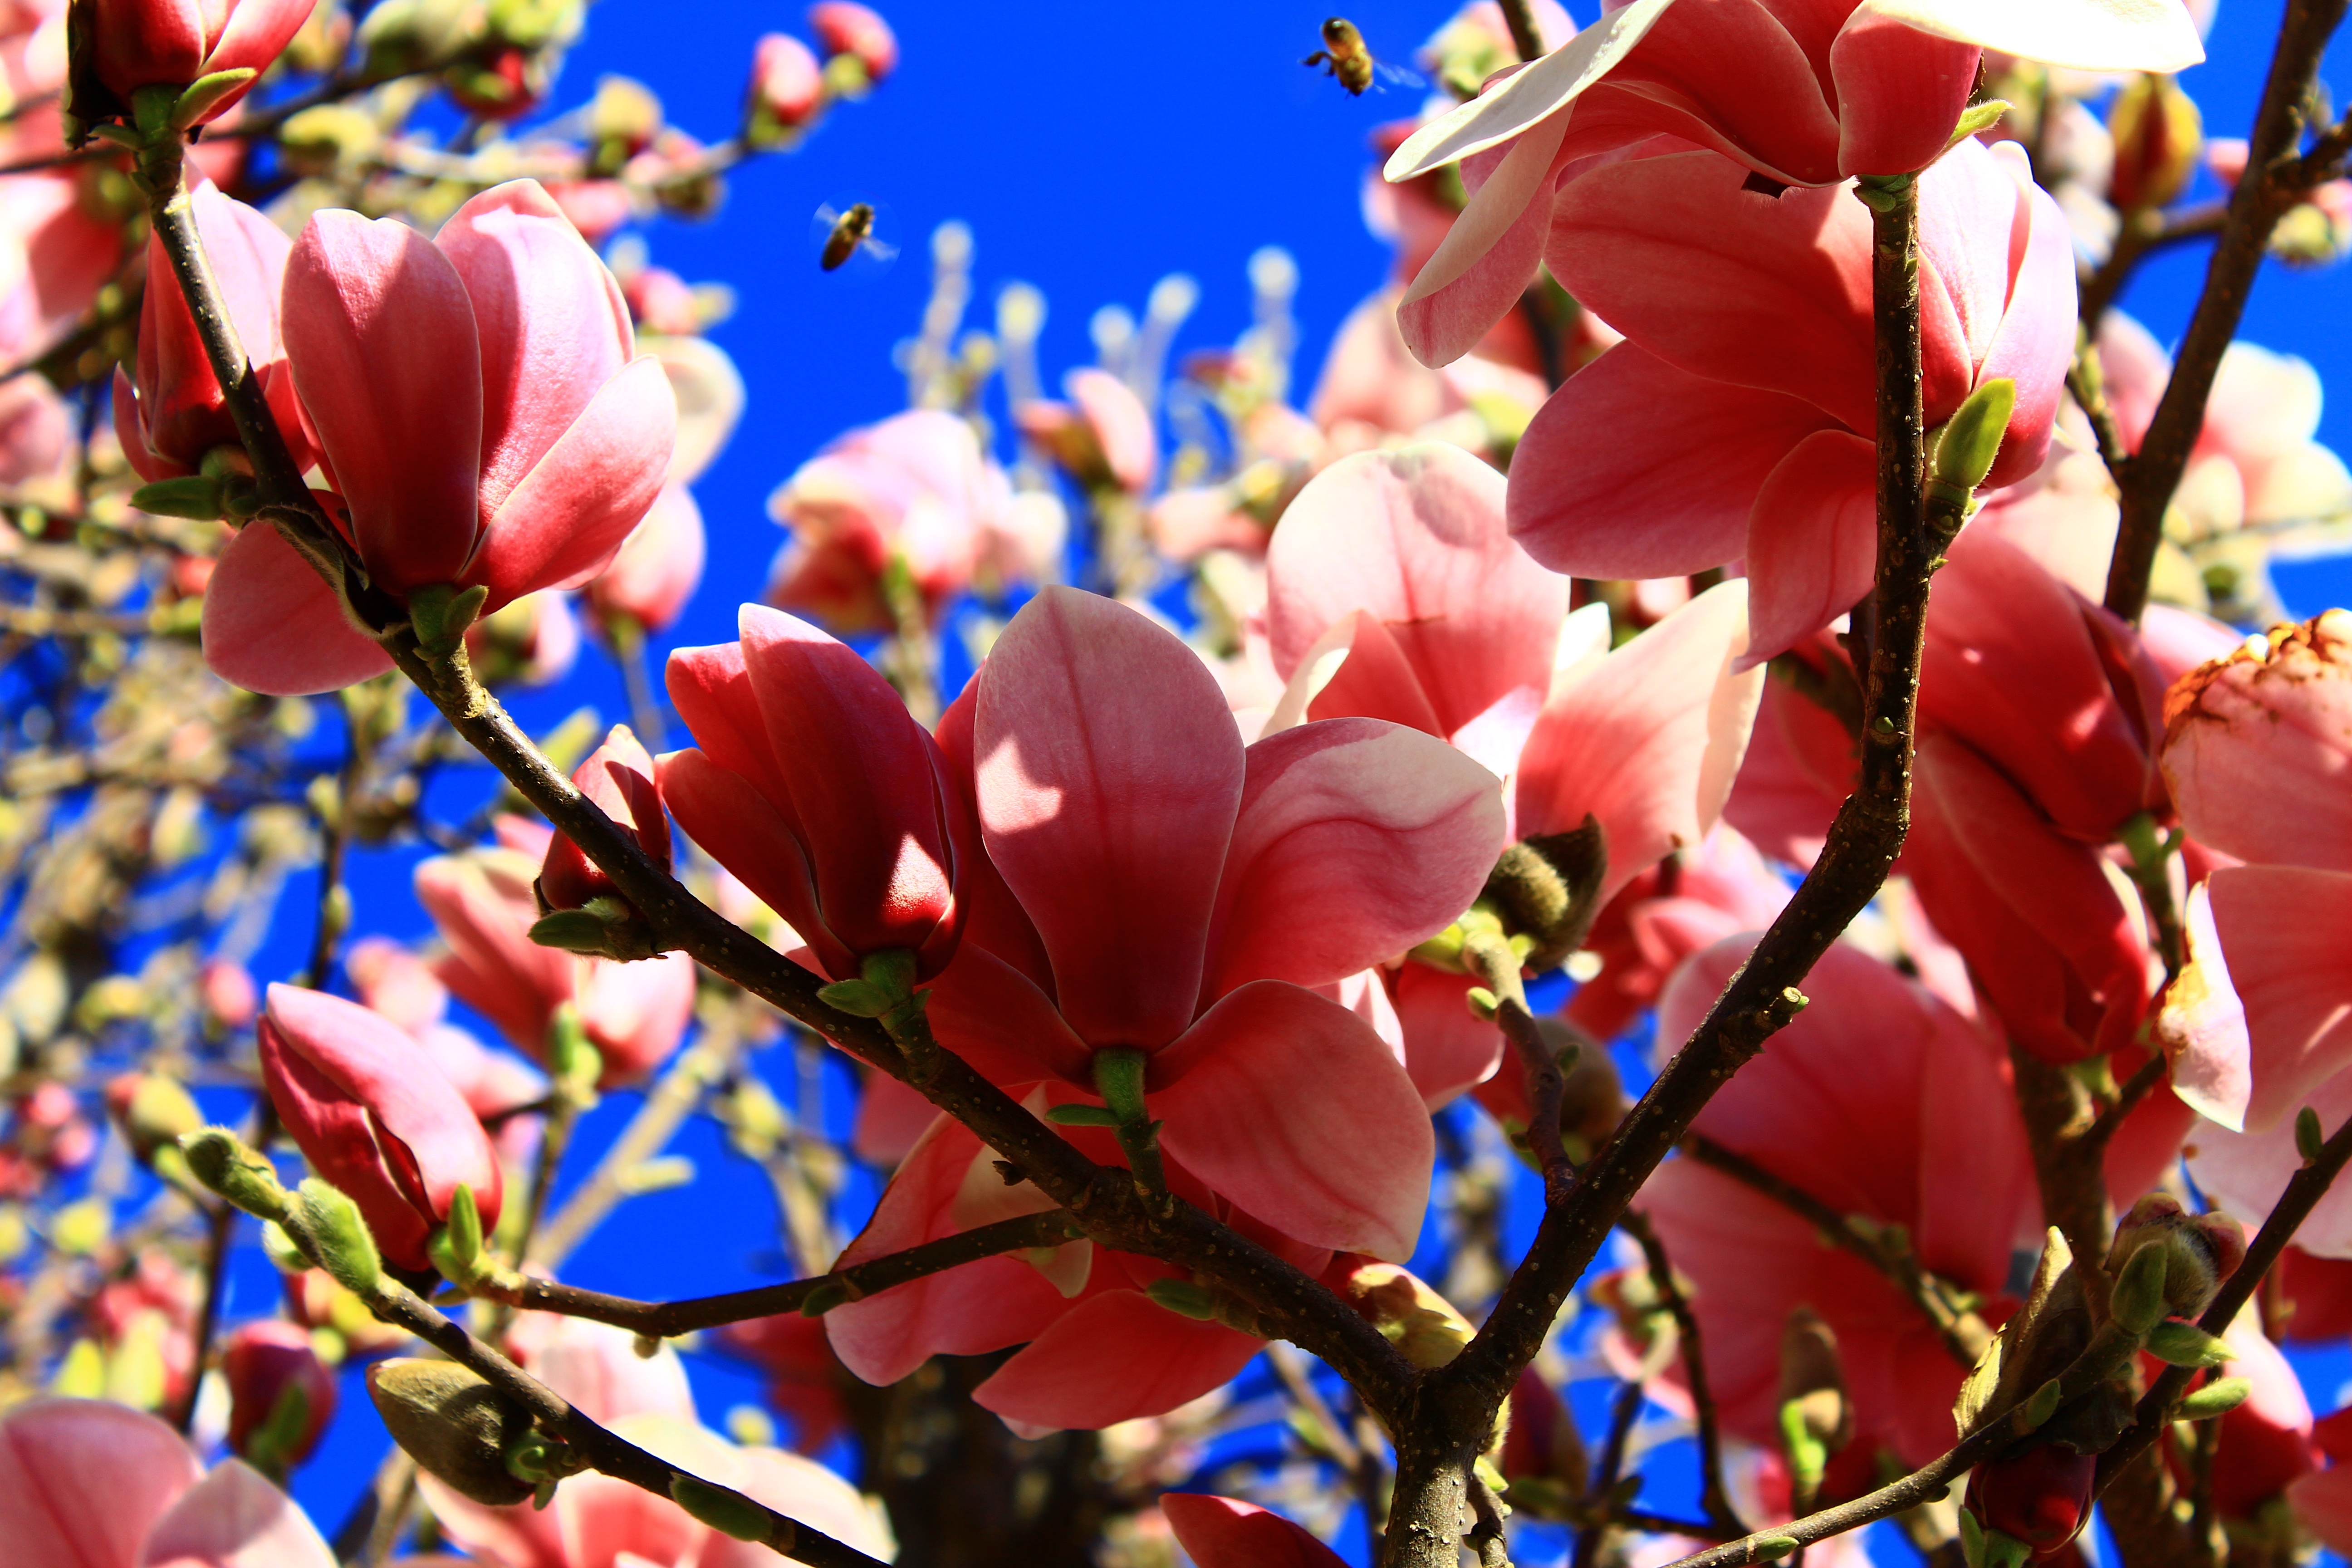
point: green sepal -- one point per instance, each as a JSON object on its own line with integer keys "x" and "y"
{"x": 441, "y": 611}
{"x": 1978, "y": 116}
{"x": 205, "y": 93}
{"x": 891, "y": 972}
{"x": 2002, "y": 1549}
{"x": 195, "y": 497}
{"x": 2138, "y": 1302}
{"x": 457, "y": 1248}
{"x": 727, "y": 1512}
{"x": 1808, "y": 1455}
{"x": 1183, "y": 1298}
{"x": 2309, "y": 1141}
{"x": 1482, "y": 1003}
{"x": 1882, "y": 192}
{"x": 324, "y": 1218}
{"x": 1771, "y": 1548}
{"x": 2216, "y": 1398}
{"x": 1972, "y": 1539}
{"x": 823, "y": 1299}
{"x": 1972, "y": 437}
{"x": 1082, "y": 1116}
{"x": 2039, "y": 1407}
{"x": 270, "y": 1449}
{"x": 2178, "y": 1343}
{"x": 574, "y": 930}
{"x": 857, "y": 998}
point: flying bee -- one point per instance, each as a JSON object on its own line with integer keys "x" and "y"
{"x": 847, "y": 233}
{"x": 1344, "y": 57}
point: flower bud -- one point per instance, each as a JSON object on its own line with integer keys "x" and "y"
{"x": 133, "y": 44}
{"x": 453, "y": 1423}
{"x": 727, "y": 1512}
{"x": 2159, "y": 138}
{"x": 2216, "y": 1398}
{"x": 1420, "y": 1322}
{"x": 323, "y": 1218}
{"x": 1972, "y": 437}
{"x": 2200, "y": 1250}
{"x": 852, "y": 30}
{"x": 787, "y": 89}
{"x": 326, "y": 137}
{"x": 229, "y": 995}
{"x": 281, "y": 1395}
{"x": 152, "y": 1110}
{"x": 619, "y": 777}
{"x": 2040, "y": 1497}
{"x": 221, "y": 1161}
{"x": 623, "y": 120}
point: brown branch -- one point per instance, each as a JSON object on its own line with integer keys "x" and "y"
{"x": 2088, "y": 387}
{"x": 1519, "y": 16}
{"x": 2143, "y": 235}
{"x": 1713, "y": 1496}
{"x": 2153, "y": 1071}
{"x": 662, "y": 1320}
{"x": 1455, "y": 1404}
{"x": 1488, "y": 956}
{"x": 2264, "y": 192}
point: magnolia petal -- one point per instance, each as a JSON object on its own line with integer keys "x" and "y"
{"x": 1223, "y": 1532}
{"x": 2281, "y": 928}
{"x": 234, "y": 1518}
{"x": 1529, "y": 97}
{"x": 1899, "y": 94}
{"x": 2203, "y": 1025}
{"x": 739, "y": 827}
{"x": 1488, "y": 256}
{"x": 2035, "y": 344}
{"x": 566, "y": 517}
{"x": 1650, "y": 741}
{"x": 1812, "y": 541}
{"x": 1416, "y": 538}
{"x": 271, "y": 624}
{"x": 2258, "y": 749}
{"x": 82, "y": 1481}
{"x": 1118, "y": 1357}
{"x": 1291, "y": 1106}
{"x": 1585, "y": 498}
{"x": 989, "y": 1012}
{"x": 2088, "y": 34}
{"x": 2246, "y": 1172}
{"x": 1355, "y": 840}
{"x": 806, "y": 1492}
{"x": 1447, "y": 1049}
{"x": 1355, "y": 670}
{"x": 1107, "y": 773}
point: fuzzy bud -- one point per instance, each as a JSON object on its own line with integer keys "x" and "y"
{"x": 453, "y": 1423}
{"x": 787, "y": 89}
{"x": 2200, "y": 1250}
{"x": 1972, "y": 437}
{"x": 328, "y": 1224}
{"x": 1410, "y": 1315}
{"x": 851, "y": 30}
{"x": 221, "y": 1161}
{"x": 2159, "y": 138}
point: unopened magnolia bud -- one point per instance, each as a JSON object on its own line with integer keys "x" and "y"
{"x": 2309, "y": 1142}
{"x": 2200, "y": 1250}
{"x": 328, "y": 136}
{"x": 1420, "y": 1322}
{"x": 329, "y": 1226}
{"x": 453, "y": 1423}
{"x": 2177, "y": 1344}
{"x": 726, "y": 1511}
{"x": 2159, "y": 138}
{"x": 1972, "y": 437}
{"x": 2216, "y": 1398}
{"x": 153, "y": 1110}
{"x": 623, "y": 119}
{"x": 2138, "y": 1302}
{"x": 194, "y": 497}
{"x": 457, "y": 1248}
{"x": 2039, "y": 1497}
{"x": 220, "y": 1160}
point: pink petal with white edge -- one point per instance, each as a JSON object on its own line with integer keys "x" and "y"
{"x": 1584, "y": 497}
{"x": 1355, "y": 840}
{"x": 82, "y": 1481}
{"x": 1417, "y": 537}
{"x": 566, "y": 518}
{"x": 2273, "y": 956}
{"x": 1899, "y": 94}
{"x": 552, "y": 325}
{"x": 1225, "y": 1532}
{"x": 271, "y": 624}
{"x": 234, "y": 1518}
{"x": 2246, "y": 1172}
{"x": 1118, "y": 1357}
{"x": 381, "y": 338}
{"x": 1107, "y": 773}
{"x": 1488, "y": 256}
{"x": 1812, "y": 541}
{"x": 1650, "y": 740}
{"x": 2089, "y": 35}
{"x": 1290, "y": 1106}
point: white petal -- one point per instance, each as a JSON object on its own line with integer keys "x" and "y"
{"x": 2090, "y": 34}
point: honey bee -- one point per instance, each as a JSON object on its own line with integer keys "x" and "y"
{"x": 1344, "y": 59}
{"x": 848, "y": 233}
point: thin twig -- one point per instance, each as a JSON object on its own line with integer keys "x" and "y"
{"x": 1519, "y": 16}
{"x": 1713, "y": 1496}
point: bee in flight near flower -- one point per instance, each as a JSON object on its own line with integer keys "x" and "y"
{"x": 1344, "y": 57}
{"x": 847, "y": 233}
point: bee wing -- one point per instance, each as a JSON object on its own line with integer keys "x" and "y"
{"x": 1385, "y": 75}
{"x": 880, "y": 250}
{"x": 826, "y": 215}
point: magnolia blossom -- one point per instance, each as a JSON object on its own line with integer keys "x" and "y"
{"x": 1394, "y": 592}
{"x": 1881, "y": 1101}
{"x": 618, "y": 776}
{"x": 1103, "y": 435}
{"x": 813, "y": 786}
{"x": 844, "y": 28}
{"x": 1225, "y": 1532}
{"x": 480, "y": 414}
{"x": 374, "y": 1117}
{"x": 1800, "y": 95}
{"x": 89, "y": 1484}
{"x": 59, "y": 245}
{"x": 171, "y": 43}
{"x": 260, "y": 1363}
{"x": 1748, "y": 315}
{"x": 635, "y": 1014}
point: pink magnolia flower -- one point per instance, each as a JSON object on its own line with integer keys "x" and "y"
{"x": 60, "y": 243}
{"x": 479, "y": 412}
{"x": 1103, "y": 435}
{"x": 787, "y": 83}
{"x": 1801, "y": 95}
{"x": 259, "y": 1362}
{"x": 1749, "y": 315}
{"x": 813, "y": 786}
{"x": 147, "y": 43}
{"x": 849, "y": 30}
{"x": 1394, "y": 592}
{"x": 1881, "y": 1101}
{"x": 598, "y": 1521}
{"x": 1225, "y": 1532}
{"x": 89, "y": 1484}
{"x": 597, "y": 1368}
{"x": 659, "y": 566}
{"x": 1174, "y": 893}
{"x": 374, "y": 1117}
{"x": 914, "y": 489}
{"x": 175, "y": 414}
{"x": 2257, "y": 748}
{"x": 635, "y": 1014}
{"x": 398, "y": 984}
{"x": 1097, "y": 1349}
{"x": 619, "y": 777}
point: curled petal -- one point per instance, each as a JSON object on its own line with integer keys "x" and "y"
{"x": 2261, "y": 1017}
{"x": 1223, "y": 1532}
{"x": 1899, "y": 94}
{"x": 1488, "y": 256}
{"x": 2258, "y": 748}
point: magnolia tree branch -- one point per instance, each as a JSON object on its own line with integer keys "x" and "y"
{"x": 1106, "y": 1201}
{"x": 1453, "y": 1407}
{"x": 1713, "y": 1496}
{"x": 2273, "y": 181}
{"x": 663, "y": 1318}
{"x": 1519, "y": 16}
